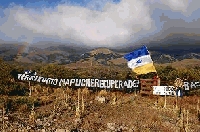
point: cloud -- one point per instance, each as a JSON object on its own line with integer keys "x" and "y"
{"x": 116, "y": 23}
{"x": 176, "y": 5}
{"x": 99, "y": 23}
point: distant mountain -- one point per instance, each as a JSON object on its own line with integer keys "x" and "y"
{"x": 189, "y": 56}
{"x": 9, "y": 51}
{"x": 159, "y": 57}
{"x": 62, "y": 54}
{"x": 55, "y": 54}
{"x": 101, "y": 55}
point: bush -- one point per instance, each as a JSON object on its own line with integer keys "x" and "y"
{"x": 17, "y": 89}
{"x": 19, "y": 103}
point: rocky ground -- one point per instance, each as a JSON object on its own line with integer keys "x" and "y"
{"x": 105, "y": 112}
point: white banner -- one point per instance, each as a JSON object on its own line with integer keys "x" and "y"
{"x": 96, "y": 83}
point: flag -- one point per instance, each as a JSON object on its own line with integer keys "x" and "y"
{"x": 140, "y": 61}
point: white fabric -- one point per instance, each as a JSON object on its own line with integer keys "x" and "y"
{"x": 142, "y": 61}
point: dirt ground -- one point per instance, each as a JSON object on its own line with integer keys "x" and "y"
{"x": 106, "y": 111}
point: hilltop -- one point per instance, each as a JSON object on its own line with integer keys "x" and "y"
{"x": 62, "y": 54}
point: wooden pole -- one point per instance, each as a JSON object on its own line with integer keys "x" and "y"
{"x": 187, "y": 120}
{"x": 165, "y": 105}
{"x": 135, "y": 92}
{"x": 176, "y": 101}
{"x": 29, "y": 84}
{"x": 83, "y": 105}
{"x": 184, "y": 111}
{"x": 3, "y": 120}
{"x": 32, "y": 115}
{"x": 78, "y": 107}
{"x": 182, "y": 121}
{"x": 198, "y": 106}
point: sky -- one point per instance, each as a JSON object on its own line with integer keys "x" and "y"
{"x": 107, "y": 23}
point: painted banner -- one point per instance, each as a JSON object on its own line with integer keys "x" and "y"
{"x": 96, "y": 83}
{"x": 191, "y": 85}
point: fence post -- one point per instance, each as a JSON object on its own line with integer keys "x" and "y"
{"x": 176, "y": 101}
{"x": 83, "y": 105}
{"x": 165, "y": 105}
{"x": 3, "y": 120}
{"x": 198, "y": 106}
{"x": 30, "y": 89}
{"x": 78, "y": 108}
{"x": 135, "y": 91}
{"x": 187, "y": 121}
{"x": 183, "y": 117}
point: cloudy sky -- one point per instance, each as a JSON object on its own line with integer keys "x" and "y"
{"x": 109, "y": 23}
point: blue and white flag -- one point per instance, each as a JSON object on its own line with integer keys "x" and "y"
{"x": 140, "y": 61}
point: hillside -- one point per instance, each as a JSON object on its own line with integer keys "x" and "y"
{"x": 58, "y": 110}
{"x": 184, "y": 63}
{"x": 63, "y": 54}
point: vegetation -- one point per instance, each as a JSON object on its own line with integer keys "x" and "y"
{"x": 115, "y": 106}
{"x": 10, "y": 87}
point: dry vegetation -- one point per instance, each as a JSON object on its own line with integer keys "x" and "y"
{"x": 184, "y": 63}
{"x": 64, "y": 108}
{"x": 111, "y": 111}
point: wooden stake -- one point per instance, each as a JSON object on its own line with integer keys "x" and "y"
{"x": 182, "y": 120}
{"x": 187, "y": 120}
{"x": 135, "y": 92}
{"x": 198, "y": 106}
{"x": 165, "y": 105}
{"x": 176, "y": 101}
{"x": 3, "y": 120}
{"x": 78, "y": 98}
{"x": 29, "y": 84}
{"x": 32, "y": 115}
{"x": 83, "y": 105}
{"x": 184, "y": 114}
{"x": 78, "y": 107}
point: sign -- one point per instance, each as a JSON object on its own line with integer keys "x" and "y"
{"x": 162, "y": 90}
{"x": 191, "y": 85}
{"x": 95, "y": 83}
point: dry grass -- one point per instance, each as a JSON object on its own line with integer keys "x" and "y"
{"x": 103, "y": 93}
{"x": 183, "y": 63}
{"x": 125, "y": 112}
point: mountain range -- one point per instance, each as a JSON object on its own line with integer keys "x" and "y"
{"x": 180, "y": 48}
{"x": 63, "y": 54}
